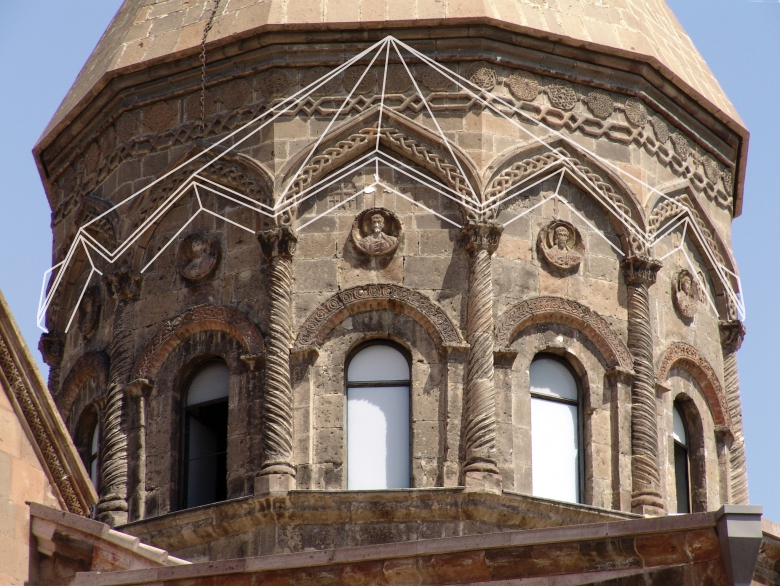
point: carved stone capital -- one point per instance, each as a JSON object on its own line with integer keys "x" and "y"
{"x": 732, "y": 333}
{"x": 481, "y": 236}
{"x": 52, "y": 347}
{"x": 640, "y": 270}
{"x": 123, "y": 283}
{"x": 140, "y": 387}
{"x": 279, "y": 242}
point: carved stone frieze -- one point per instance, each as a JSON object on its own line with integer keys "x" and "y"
{"x": 569, "y": 313}
{"x": 434, "y": 80}
{"x": 560, "y": 244}
{"x": 600, "y": 104}
{"x": 689, "y": 359}
{"x": 89, "y": 311}
{"x": 562, "y": 96}
{"x": 274, "y": 83}
{"x": 375, "y": 232}
{"x": 198, "y": 257}
{"x": 356, "y": 82}
{"x": 523, "y": 86}
{"x": 660, "y": 128}
{"x": 685, "y": 294}
{"x": 636, "y": 113}
{"x": 483, "y": 75}
{"x": 328, "y": 88}
{"x": 321, "y": 322}
{"x": 681, "y": 145}
{"x": 398, "y": 80}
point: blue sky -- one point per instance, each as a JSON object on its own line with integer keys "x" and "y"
{"x": 45, "y": 43}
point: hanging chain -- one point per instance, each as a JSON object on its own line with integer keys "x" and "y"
{"x": 206, "y": 30}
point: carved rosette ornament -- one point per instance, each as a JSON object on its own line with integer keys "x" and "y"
{"x": 640, "y": 273}
{"x": 198, "y": 257}
{"x": 732, "y": 332}
{"x": 560, "y": 245}
{"x": 124, "y": 287}
{"x": 480, "y": 470}
{"x": 279, "y": 246}
{"x": 685, "y": 294}
{"x": 375, "y": 232}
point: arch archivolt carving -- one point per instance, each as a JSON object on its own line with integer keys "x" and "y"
{"x": 566, "y": 312}
{"x": 93, "y": 365}
{"x": 686, "y": 357}
{"x": 365, "y": 298}
{"x": 193, "y": 321}
{"x": 626, "y": 209}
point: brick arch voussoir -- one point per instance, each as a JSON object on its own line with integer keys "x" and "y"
{"x": 569, "y": 313}
{"x": 686, "y": 357}
{"x": 365, "y": 298}
{"x": 203, "y": 318}
{"x": 88, "y": 366}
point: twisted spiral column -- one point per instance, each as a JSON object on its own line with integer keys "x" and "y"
{"x": 123, "y": 286}
{"x": 479, "y": 401}
{"x": 278, "y": 246}
{"x": 731, "y": 335}
{"x": 640, "y": 273}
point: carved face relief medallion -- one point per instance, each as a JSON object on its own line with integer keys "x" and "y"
{"x": 198, "y": 257}
{"x": 685, "y": 294}
{"x": 560, "y": 244}
{"x": 375, "y": 232}
{"x": 89, "y": 311}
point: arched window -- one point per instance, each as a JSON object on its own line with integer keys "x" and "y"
{"x": 681, "y": 462}
{"x": 205, "y": 436}
{"x": 555, "y": 431}
{"x": 378, "y": 421}
{"x": 87, "y": 439}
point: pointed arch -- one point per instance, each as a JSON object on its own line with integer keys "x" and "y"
{"x": 569, "y": 313}
{"x": 365, "y": 298}
{"x": 686, "y": 357}
{"x": 673, "y": 200}
{"x": 198, "y": 319}
{"x": 238, "y": 172}
{"x": 519, "y": 163}
{"x": 396, "y": 132}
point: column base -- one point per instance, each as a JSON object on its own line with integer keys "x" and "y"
{"x": 112, "y": 511}
{"x": 274, "y": 484}
{"x": 648, "y": 505}
{"x": 482, "y": 481}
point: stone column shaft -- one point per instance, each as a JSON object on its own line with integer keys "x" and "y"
{"x": 123, "y": 286}
{"x": 479, "y": 401}
{"x": 640, "y": 273}
{"x": 277, "y": 473}
{"x": 731, "y": 335}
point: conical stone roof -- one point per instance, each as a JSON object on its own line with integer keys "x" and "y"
{"x": 147, "y": 31}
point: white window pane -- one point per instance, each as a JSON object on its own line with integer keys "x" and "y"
{"x": 212, "y": 382}
{"x": 555, "y": 450}
{"x": 678, "y": 427}
{"x": 378, "y": 438}
{"x": 378, "y": 362}
{"x": 550, "y": 377}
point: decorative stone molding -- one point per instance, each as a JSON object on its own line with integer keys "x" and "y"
{"x": 193, "y": 321}
{"x": 90, "y": 365}
{"x": 689, "y": 359}
{"x": 43, "y": 425}
{"x": 560, "y": 244}
{"x": 198, "y": 257}
{"x": 375, "y": 232}
{"x": 569, "y": 313}
{"x": 362, "y": 298}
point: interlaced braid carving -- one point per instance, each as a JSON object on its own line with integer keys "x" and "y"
{"x": 673, "y": 207}
{"x": 355, "y": 144}
{"x": 61, "y": 479}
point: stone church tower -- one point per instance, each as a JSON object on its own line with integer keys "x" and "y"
{"x": 337, "y": 273}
